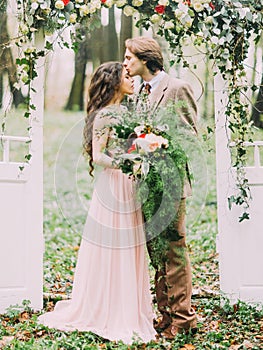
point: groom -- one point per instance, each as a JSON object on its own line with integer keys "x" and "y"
{"x": 173, "y": 280}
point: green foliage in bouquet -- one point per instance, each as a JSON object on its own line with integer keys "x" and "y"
{"x": 165, "y": 182}
{"x": 151, "y": 153}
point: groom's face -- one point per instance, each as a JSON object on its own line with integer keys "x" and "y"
{"x": 133, "y": 64}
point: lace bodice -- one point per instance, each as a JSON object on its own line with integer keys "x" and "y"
{"x": 105, "y": 143}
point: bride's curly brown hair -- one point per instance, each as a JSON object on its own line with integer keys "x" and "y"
{"x": 104, "y": 84}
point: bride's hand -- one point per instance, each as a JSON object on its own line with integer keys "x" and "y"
{"x": 116, "y": 163}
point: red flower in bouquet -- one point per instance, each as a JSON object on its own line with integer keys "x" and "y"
{"x": 133, "y": 146}
{"x": 66, "y": 2}
{"x": 103, "y": 1}
{"x": 148, "y": 143}
{"x": 160, "y": 9}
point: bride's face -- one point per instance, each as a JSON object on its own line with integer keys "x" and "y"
{"x": 127, "y": 83}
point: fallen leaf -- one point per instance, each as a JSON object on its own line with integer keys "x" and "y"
{"x": 23, "y": 335}
{"x": 188, "y": 347}
{"x": 10, "y": 329}
{"x": 40, "y": 333}
{"x": 24, "y": 316}
{"x": 214, "y": 325}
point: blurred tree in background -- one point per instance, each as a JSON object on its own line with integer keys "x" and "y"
{"x": 102, "y": 45}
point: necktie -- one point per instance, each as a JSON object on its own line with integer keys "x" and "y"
{"x": 147, "y": 88}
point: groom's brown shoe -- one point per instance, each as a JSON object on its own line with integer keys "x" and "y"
{"x": 171, "y": 331}
{"x": 161, "y": 324}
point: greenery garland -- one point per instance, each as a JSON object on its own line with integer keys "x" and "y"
{"x": 223, "y": 27}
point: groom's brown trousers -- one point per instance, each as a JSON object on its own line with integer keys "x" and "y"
{"x": 173, "y": 280}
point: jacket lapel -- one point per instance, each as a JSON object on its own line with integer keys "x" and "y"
{"x": 157, "y": 95}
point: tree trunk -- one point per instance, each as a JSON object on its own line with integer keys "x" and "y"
{"x": 101, "y": 46}
{"x": 76, "y": 98}
{"x": 96, "y": 47}
{"x": 112, "y": 44}
{"x": 206, "y": 89}
{"x": 109, "y": 40}
{"x": 126, "y": 32}
{"x": 6, "y": 60}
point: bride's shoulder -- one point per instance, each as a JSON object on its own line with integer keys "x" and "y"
{"x": 110, "y": 115}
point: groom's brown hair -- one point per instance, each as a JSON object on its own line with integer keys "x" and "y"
{"x": 146, "y": 49}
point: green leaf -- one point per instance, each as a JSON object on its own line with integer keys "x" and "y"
{"x": 244, "y": 216}
{"x": 28, "y": 156}
{"x": 49, "y": 45}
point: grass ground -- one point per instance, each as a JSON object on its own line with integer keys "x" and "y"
{"x": 67, "y": 190}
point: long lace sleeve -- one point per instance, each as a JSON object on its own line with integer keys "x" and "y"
{"x": 101, "y": 134}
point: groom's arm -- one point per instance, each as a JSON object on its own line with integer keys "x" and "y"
{"x": 188, "y": 110}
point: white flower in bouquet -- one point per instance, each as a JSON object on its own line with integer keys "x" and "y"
{"x": 151, "y": 142}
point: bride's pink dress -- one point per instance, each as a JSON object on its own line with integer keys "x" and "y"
{"x": 111, "y": 290}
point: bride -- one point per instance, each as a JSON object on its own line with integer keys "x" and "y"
{"x": 111, "y": 291}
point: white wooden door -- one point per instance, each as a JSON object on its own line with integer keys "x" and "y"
{"x": 21, "y": 212}
{"x": 239, "y": 244}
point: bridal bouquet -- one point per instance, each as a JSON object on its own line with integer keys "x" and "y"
{"x": 152, "y": 155}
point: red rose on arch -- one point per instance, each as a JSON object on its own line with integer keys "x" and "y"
{"x": 160, "y": 9}
{"x": 66, "y": 2}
